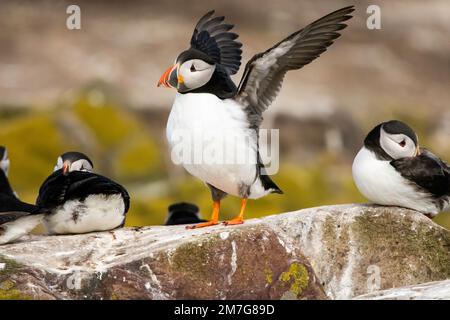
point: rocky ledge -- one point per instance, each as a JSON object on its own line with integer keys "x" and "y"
{"x": 333, "y": 252}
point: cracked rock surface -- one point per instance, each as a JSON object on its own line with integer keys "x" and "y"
{"x": 333, "y": 252}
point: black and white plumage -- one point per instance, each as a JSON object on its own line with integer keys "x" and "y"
{"x": 183, "y": 213}
{"x": 80, "y": 201}
{"x": 209, "y": 103}
{"x": 17, "y": 218}
{"x": 391, "y": 169}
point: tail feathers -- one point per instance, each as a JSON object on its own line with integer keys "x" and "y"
{"x": 268, "y": 184}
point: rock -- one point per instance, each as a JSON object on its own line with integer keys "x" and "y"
{"x": 335, "y": 252}
{"x": 437, "y": 290}
{"x": 247, "y": 262}
{"x": 356, "y": 249}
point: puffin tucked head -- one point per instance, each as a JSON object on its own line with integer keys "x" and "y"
{"x": 393, "y": 140}
{"x": 206, "y": 66}
{"x": 73, "y": 161}
{"x": 4, "y": 160}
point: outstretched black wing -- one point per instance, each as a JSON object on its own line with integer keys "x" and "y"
{"x": 264, "y": 73}
{"x": 59, "y": 188}
{"x": 214, "y": 38}
{"x": 427, "y": 171}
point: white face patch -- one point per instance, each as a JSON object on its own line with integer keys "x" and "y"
{"x": 195, "y": 73}
{"x": 79, "y": 165}
{"x": 59, "y": 164}
{"x": 397, "y": 145}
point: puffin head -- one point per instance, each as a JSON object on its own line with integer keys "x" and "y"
{"x": 192, "y": 69}
{"x": 73, "y": 161}
{"x": 183, "y": 213}
{"x": 4, "y": 160}
{"x": 393, "y": 140}
{"x": 214, "y": 55}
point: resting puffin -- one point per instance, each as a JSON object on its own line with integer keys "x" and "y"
{"x": 80, "y": 201}
{"x": 209, "y": 104}
{"x": 17, "y": 218}
{"x": 183, "y": 213}
{"x": 391, "y": 169}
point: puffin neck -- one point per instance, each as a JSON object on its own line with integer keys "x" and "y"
{"x": 372, "y": 143}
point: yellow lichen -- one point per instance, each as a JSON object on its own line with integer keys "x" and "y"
{"x": 299, "y": 275}
{"x": 115, "y": 296}
{"x": 7, "y": 292}
{"x": 269, "y": 275}
{"x": 6, "y": 285}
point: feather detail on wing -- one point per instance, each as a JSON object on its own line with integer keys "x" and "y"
{"x": 214, "y": 38}
{"x": 264, "y": 73}
{"x": 427, "y": 171}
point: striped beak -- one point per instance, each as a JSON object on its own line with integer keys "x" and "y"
{"x": 169, "y": 79}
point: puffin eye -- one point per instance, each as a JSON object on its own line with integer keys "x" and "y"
{"x": 193, "y": 68}
{"x": 403, "y": 143}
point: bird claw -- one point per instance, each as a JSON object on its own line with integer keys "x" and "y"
{"x": 202, "y": 225}
{"x": 232, "y": 222}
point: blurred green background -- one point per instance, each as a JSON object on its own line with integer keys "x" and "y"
{"x": 94, "y": 90}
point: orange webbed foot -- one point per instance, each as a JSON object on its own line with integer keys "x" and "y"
{"x": 214, "y": 218}
{"x": 202, "y": 225}
{"x": 240, "y": 218}
{"x": 234, "y": 221}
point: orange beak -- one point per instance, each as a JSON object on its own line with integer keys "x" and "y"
{"x": 165, "y": 78}
{"x": 66, "y": 167}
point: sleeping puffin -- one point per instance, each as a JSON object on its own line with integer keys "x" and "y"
{"x": 17, "y": 218}
{"x": 80, "y": 201}
{"x": 183, "y": 213}
{"x": 391, "y": 169}
{"x": 210, "y": 106}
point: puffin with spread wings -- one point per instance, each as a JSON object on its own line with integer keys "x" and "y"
{"x": 208, "y": 103}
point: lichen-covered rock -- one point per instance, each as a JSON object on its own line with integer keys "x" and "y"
{"x": 436, "y": 290}
{"x": 356, "y": 249}
{"x": 247, "y": 262}
{"x": 318, "y": 253}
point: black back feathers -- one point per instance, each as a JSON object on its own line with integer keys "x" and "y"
{"x": 213, "y": 38}
{"x": 77, "y": 185}
{"x": 427, "y": 171}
